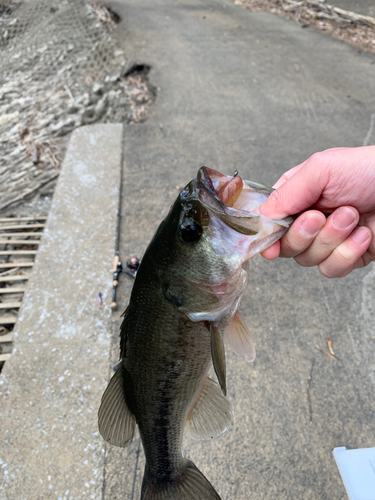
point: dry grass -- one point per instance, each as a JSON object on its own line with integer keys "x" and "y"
{"x": 141, "y": 96}
{"x": 104, "y": 14}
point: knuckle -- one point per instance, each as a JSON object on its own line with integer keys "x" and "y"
{"x": 287, "y": 248}
{"x": 326, "y": 273}
{"x": 318, "y": 157}
{"x": 344, "y": 257}
{"x": 338, "y": 264}
{"x": 324, "y": 241}
{"x": 323, "y": 271}
{"x": 332, "y": 272}
{"x": 294, "y": 243}
{"x": 305, "y": 261}
{"x": 276, "y": 200}
{"x": 325, "y": 156}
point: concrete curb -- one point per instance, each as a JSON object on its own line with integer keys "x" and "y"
{"x": 50, "y": 389}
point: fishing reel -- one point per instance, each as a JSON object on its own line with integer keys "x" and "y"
{"x": 131, "y": 269}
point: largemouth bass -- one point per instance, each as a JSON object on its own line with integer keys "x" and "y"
{"x": 183, "y": 304}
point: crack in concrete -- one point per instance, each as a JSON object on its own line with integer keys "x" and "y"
{"x": 367, "y": 324}
{"x": 366, "y": 142}
{"x": 309, "y": 381}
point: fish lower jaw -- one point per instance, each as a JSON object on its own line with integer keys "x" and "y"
{"x": 262, "y": 241}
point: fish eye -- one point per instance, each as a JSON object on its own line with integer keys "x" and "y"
{"x": 185, "y": 192}
{"x": 190, "y": 231}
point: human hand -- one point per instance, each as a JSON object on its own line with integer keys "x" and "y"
{"x": 339, "y": 182}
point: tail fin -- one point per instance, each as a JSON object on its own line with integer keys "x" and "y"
{"x": 190, "y": 484}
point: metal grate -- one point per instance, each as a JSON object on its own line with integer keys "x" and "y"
{"x": 19, "y": 241}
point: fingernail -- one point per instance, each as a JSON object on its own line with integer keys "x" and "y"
{"x": 360, "y": 235}
{"x": 311, "y": 226}
{"x": 343, "y": 218}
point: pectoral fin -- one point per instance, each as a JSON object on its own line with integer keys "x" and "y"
{"x": 116, "y": 422}
{"x": 218, "y": 356}
{"x": 240, "y": 339}
{"x": 211, "y": 414}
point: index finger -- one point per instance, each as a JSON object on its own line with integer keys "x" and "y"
{"x": 287, "y": 175}
{"x": 300, "y": 189}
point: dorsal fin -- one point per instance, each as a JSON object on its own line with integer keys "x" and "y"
{"x": 116, "y": 422}
{"x": 211, "y": 413}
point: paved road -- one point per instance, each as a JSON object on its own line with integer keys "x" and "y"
{"x": 364, "y": 7}
{"x": 256, "y": 92}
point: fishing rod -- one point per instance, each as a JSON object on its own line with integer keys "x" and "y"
{"x": 117, "y": 265}
{"x": 133, "y": 262}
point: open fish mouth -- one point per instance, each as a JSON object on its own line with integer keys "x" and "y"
{"x": 232, "y": 232}
{"x": 235, "y": 202}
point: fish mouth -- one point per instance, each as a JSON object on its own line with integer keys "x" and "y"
{"x": 235, "y": 202}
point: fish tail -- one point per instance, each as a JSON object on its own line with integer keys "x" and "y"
{"x": 190, "y": 484}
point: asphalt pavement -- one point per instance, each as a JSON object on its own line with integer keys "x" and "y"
{"x": 257, "y": 93}
{"x": 364, "y": 7}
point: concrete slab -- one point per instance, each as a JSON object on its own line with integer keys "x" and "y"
{"x": 261, "y": 93}
{"x": 50, "y": 389}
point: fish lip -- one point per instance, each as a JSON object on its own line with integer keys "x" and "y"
{"x": 208, "y": 196}
{"x": 204, "y": 177}
{"x": 205, "y": 186}
{"x": 245, "y": 220}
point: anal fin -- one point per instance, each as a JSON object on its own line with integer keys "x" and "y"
{"x": 116, "y": 422}
{"x": 211, "y": 413}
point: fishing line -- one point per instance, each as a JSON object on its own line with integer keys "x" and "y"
{"x": 136, "y": 467}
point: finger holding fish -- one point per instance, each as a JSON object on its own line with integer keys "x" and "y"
{"x": 313, "y": 237}
{"x": 338, "y": 226}
{"x": 299, "y": 237}
{"x": 348, "y": 255}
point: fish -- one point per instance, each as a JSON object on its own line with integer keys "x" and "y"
{"x": 183, "y": 305}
